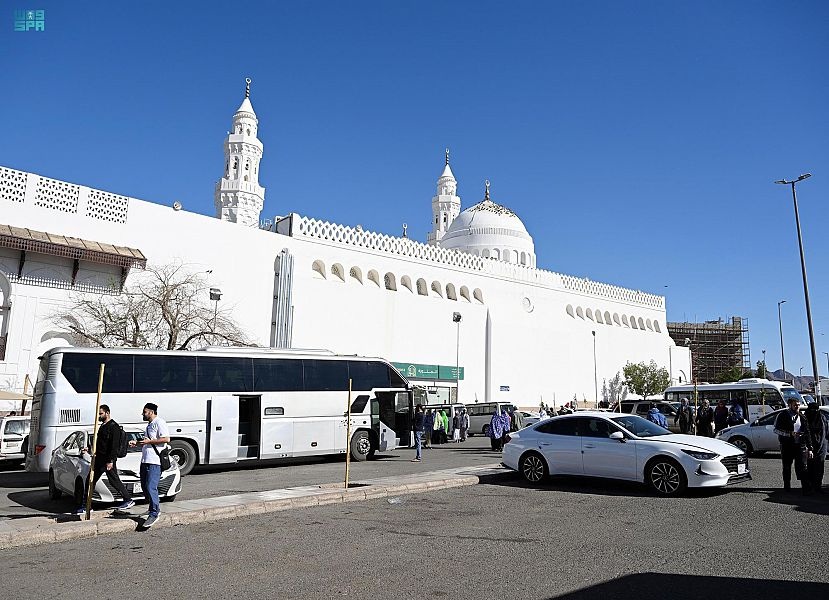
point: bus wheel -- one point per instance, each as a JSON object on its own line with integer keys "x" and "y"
{"x": 54, "y": 492}
{"x": 360, "y": 445}
{"x": 184, "y": 454}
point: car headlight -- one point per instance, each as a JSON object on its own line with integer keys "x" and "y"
{"x": 701, "y": 455}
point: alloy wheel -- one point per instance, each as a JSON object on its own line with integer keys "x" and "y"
{"x": 665, "y": 478}
{"x": 533, "y": 468}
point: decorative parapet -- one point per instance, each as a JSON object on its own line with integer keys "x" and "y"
{"x": 299, "y": 226}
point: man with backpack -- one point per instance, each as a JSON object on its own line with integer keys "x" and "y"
{"x": 110, "y": 447}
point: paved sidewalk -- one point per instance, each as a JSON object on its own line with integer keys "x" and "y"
{"x": 60, "y": 528}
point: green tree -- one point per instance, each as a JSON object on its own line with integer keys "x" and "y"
{"x": 731, "y": 374}
{"x": 646, "y": 379}
{"x": 762, "y": 372}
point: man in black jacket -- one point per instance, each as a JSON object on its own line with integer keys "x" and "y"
{"x": 788, "y": 427}
{"x": 106, "y": 456}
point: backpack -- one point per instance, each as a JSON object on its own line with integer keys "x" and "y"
{"x": 121, "y": 441}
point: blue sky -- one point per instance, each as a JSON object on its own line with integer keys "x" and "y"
{"x": 638, "y": 141}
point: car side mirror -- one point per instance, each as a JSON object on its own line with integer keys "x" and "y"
{"x": 618, "y": 436}
{"x": 755, "y": 422}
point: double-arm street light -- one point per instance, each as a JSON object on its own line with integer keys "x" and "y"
{"x": 780, "y": 324}
{"x": 803, "y": 268}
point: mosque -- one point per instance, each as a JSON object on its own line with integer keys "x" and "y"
{"x": 466, "y": 315}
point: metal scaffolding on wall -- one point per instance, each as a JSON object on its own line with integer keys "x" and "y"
{"x": 716, "y": 346}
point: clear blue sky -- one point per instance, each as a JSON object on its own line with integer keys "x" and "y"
{"x": 638, "y": 141}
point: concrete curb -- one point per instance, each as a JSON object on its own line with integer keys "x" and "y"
{"x": 36, "y": 530}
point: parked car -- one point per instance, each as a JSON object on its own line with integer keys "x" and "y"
{"x": 69, "y": 469}
{"x": 529, "y": 418}
{"x": 481, "y": 414}
{"x": 641, "y": 408}
{"x": 758, "y": 436}
{"x": 622, "y": 446}
{"x": 13, "y": 430}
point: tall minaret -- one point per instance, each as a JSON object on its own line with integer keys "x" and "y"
{"x": 446, "y": 205}
{"x": 239, "y": 197}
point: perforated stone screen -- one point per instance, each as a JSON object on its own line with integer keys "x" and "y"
{"x": 107, "y": 207}
{"x": 57, "y": 195}
{"x": 12, "y": 185}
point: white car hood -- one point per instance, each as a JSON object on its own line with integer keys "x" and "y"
{"x": 699, "y": 442}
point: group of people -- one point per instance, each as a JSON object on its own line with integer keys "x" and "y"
{"x": 709, "y": 420}
{"x": 501, "y": 424}
{"x": 803, "y": 441}
{"x": 432, "y": 426}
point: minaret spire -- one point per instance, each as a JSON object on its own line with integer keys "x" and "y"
{"x": 486, "y": 194}
{"x": 446, "y": 204}
{"x": 247, "y": 87}
{"x": 447, "y": 157}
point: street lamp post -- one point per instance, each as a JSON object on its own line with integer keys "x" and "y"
{"x": 765, "y": 370}
{"x": 595, "y": 372}
{"x": 456, "y": 318}
{"x": 215, "y": 296}
{"x": 780, "y": 324}
{"x": 803, "y": 268}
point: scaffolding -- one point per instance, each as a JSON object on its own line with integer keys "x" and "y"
{"x": 716, "y": 346}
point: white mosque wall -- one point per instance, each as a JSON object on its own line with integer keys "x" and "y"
{"x": 359, "y": 292}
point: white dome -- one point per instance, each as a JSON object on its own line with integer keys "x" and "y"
{"x": 491, "y": 230}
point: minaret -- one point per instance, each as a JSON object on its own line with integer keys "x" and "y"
{"x": 239, "y": 197}
{"x": 446, "y": 205}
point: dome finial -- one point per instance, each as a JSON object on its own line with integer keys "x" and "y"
{"x": 247, "y": 87}
{"x": 486, "y": 195}
{"x": 447, "y": 156}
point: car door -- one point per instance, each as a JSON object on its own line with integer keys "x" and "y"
{"x": 61, "y": 466}
{"x": 559, "y": 443}
{"x": 762, "y": 433}
{"x": 603, "y": 457}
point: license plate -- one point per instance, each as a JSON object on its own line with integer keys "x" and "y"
{"x": 741, "y": 469}
{"x": 136, "y": 488}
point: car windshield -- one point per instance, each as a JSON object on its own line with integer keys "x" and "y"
{"x": 640, "y": 427}
{"x": 18, "y": 426}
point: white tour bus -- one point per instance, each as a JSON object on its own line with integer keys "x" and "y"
{"x": 225, "y": 405}
{"x": 757, "y": 396}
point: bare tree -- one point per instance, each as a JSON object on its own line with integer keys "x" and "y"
{"x": 164, "y": 307}
{"x": 615, "y": 390}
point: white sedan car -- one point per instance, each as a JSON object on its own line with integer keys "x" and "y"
{"x": 69, "y": 468}
{"x": 622, "y": 446}
{"x": 758, "y": 436}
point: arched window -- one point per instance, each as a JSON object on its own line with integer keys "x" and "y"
{"x": 485, "y": 252}
{"x": 390, "y": 281}
{"x": 478, "y": 295}
{"x": 248, "y": 130}
{"x": 514, "y": 255}
{"x": 436, "y": 289}
{"x": 422, "y": 290}
{"x": 319, "y": 268}
{"x": 450, "y": 292}
{"x": 406, "y": 282}
{"x": 496, "y": 254}
{"x": 356, "y": 273}
{"x": 523, "y": 258}
{"x": 465, "y": 293}
{"x": 374, "y": 276}
{"x": 337, "y": 269}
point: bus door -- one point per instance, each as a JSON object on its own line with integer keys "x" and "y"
{"x": 384, "y": 420}
{"x": 222, "y": 429}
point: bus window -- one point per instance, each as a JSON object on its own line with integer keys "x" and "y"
{"x": 277, "y": 375}
{"x": 325, "y": 375}
{"x": 367, "y": 375}
{"x": 225, "y": 374}
{"x": 81, "y": 371}
{"x": 164, "y": 373}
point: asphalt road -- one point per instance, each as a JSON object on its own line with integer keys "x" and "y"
{"x": 25, "y": 494}
{"x": 502, "y": 539}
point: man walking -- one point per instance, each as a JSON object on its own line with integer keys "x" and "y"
{"x": 684, "y": 417}
{"x": 106, "y": 457}
{"x": 157, "y": 434}
{"x": 816, "y": 426}
{"x": 418, "y": 426}
{"x": 464, "y": 424}
{"x": 787, "y": 426}
{"x": 705, "y": 419}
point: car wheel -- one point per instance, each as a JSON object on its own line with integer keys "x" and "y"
{"x": 742, "y": 443}
{"x": 360, "y": 446}
{"x": 665, "y": 476}
{"x": 485, "y": 430}
{"x": 184, "y": 454}
{"x": 533, "y": 467}
{"x": 78, "y": 495}
{"x": 54, "y": 492}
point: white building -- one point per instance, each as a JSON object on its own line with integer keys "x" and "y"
{"x": 526, "y": 335}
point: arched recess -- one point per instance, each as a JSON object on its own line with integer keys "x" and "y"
{"x": 514, "y": 256}
{"x": 450, "y": 292}
{"x": 633, "y": 323}
{"x": 465, "y": 293}
{"x": 485, "y": 252}
{"x": 478, "y": 295}
{"x": 641, "y": 323}
{"x": 570, "y": 311}
{"x": 406, "y": 282}
{"x": 616, "y": 319}
{"x": 589, "y": 313}
{"x": 319, "y": 269}
{"x": 437, "y": 289}
{"x": 357, "y": 274}
{"x": 338, "y": 271}
{"x": 374, "y": 276}
{"x": 496, "y": 254}
{"x": 524, "y": 258}
{"x": 649, "y": 325}
{"x": 579, "y": 312}
{"x": 422, "y": 289}
{"x": 607, "y": 318}
{"x": 390, "y": 281}
{"x": 656, "y": 327}
{"x": 625, "y": 321}
{"x": 599, "y": 318}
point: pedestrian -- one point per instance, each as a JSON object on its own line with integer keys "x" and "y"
{"x": 542, "y": 414}
{"x": 13, "y": 413}
{"x": 684, "y": 417}
{"x": 428, "y": 428}
{"x": 788, "y": 426}
{"x": 496, "y": 431}
{"x": 735, "y": 414}
{"x": 444, "y": 426}
{"x": 815, "y": 440}
{"x": 436, "y": 428}
{"x": 464, "y": 424}
{"x": 157, "y": 434}
{"x": 507, "y": 424}
{"x": 106, "y": 460}
{"x": 517, "y": 421}
{"x": 720, "y": 416}
{"x": 705, "y": 420}
{"x": 418, "y": 425}
{"x": 654, "y": 416}
{"x": 456, "y": 426}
